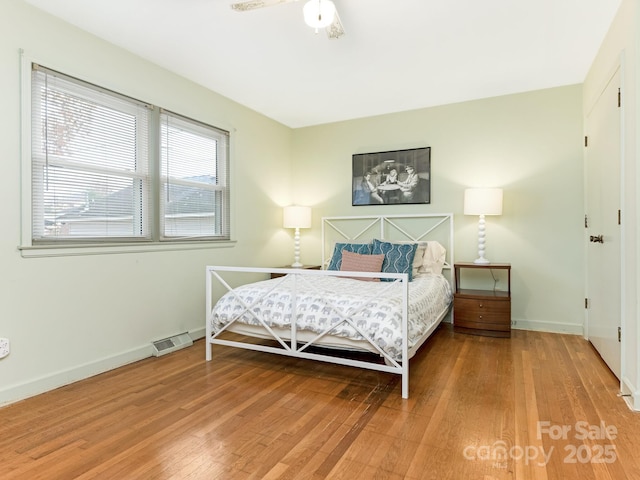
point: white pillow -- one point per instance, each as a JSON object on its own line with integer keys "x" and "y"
{"x": 433, "y": 258}
{"x": 419, "y": 258}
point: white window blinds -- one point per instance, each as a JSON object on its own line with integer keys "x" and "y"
{"x": 193, "y": 179}
{"x": 109, "y": 168}
{"x": 90, "y": 170}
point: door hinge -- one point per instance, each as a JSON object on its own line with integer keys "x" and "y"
{"x": 586, "y": 141}
{"x": 586, "y": 303}
{"x": 586, "y": 222}
{"x": 619, "y": 334}
{"x": 619, "y": 218}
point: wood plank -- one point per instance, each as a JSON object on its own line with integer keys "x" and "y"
{"x": 251, "y": 415}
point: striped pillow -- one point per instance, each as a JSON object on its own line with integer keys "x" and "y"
{"x": 355, "y": 262}
{"x": 336, "y": 258}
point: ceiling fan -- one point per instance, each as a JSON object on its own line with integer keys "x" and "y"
{"x": 317, "y": 13}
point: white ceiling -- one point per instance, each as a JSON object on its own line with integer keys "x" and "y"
{"x": 396, "y": 55}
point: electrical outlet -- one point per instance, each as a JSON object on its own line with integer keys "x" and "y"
{"x": 4, "y": 347}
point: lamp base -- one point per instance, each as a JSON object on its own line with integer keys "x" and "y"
{"x": 481, "y": 261}
{"x": 296, "y": 249}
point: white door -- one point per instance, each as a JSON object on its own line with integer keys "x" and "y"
{"x": 603, "y": 224}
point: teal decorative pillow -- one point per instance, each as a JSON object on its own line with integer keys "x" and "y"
{"x": 398, "y": 257}
{"x": 336, "y": 258}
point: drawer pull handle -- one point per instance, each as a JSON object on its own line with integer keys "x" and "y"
{"x": 480, "y": 317}
{"x": 481, "y": 305}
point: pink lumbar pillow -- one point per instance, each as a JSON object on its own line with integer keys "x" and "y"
{"x": 356, "y": 262}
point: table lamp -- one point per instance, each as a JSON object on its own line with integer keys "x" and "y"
{"x": 482, "y": 201}
{"x": 296, "y": 216}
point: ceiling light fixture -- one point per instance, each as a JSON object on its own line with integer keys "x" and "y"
{"x": 319, "y": 13}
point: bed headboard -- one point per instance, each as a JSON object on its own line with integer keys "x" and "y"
{"x": 362, "y": 229}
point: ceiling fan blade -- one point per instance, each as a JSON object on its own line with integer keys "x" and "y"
{"x": 335, "y": 30}
{"x": 253, "y": 4}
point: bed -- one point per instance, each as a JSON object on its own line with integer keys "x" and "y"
{"x": 384, "y": 287}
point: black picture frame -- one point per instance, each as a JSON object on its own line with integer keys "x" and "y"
{"x": 381, "y": 188}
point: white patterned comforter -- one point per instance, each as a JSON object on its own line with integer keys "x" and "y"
{"x": 323, "y": 301}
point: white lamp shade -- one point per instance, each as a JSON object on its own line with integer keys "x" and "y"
{"x": 483, "y": 201}
{"x": 296, "y": 216}
{"x": 319, "y": 13}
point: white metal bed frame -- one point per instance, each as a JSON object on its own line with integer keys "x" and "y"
{"x": 296, "y": 344}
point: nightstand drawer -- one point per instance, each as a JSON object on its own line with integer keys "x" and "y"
{"x": 482, "y": 314}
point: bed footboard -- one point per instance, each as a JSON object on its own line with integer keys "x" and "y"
{"x": 292, "y": 342}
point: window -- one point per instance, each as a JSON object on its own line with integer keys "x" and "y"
{"x": 192, "y": 158}
{"x": 108, "y": 168}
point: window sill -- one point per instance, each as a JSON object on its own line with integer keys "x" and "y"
{"x": 110, "y": 249}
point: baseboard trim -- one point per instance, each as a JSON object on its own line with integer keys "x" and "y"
{"x": 631, "y": 394}
{"x": 551, "y": 327}
{"x": 20, "y": 391}
{"x": 197, "y": 333}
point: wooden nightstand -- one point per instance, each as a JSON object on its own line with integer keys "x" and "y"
{"x": 482, "y": 312}
{"x": 304, "y": 267}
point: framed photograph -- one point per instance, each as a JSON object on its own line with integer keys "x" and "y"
{"x": 391, "y": 178}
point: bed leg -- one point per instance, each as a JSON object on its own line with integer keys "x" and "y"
{"x": 405, "y": 379}
{"x": 208, "y": 350}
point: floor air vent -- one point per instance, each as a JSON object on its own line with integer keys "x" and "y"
{"x": 171, "y": 344}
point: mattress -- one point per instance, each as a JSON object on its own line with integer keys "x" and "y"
{"x": 323, "y": 302}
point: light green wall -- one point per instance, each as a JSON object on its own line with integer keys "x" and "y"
{"x": 69, "y": 317}
{"x": 529, "y": 144}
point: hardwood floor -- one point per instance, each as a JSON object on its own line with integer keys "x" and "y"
{"x": 535, "y": 406}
